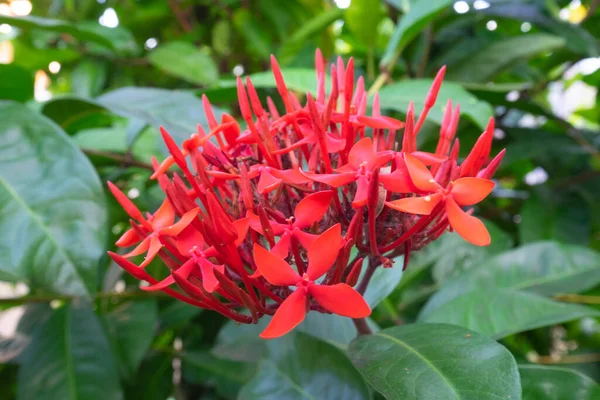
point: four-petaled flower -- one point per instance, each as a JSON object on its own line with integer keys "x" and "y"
{"x": 461, "y": 192}
{"x": 339, "y": 299}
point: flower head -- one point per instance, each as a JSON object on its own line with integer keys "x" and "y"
{"x": 265, "y": 219}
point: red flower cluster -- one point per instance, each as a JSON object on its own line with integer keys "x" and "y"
{"x": 288, "y": 201}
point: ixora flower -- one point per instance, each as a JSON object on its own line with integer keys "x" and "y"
{"x": 276, "y": 219}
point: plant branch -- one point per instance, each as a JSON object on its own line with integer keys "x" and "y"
{"x": 131, "y": 294}
{"x": 578, "y": 298}
{"x": 361, "y": 326}
{"x": 362, "y": 286}
{"x": 126, "y": 160}
{"x": 568, "y": 359}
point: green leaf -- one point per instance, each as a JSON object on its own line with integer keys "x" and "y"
{"x": 114, "y": 140}
{"x": 302, "y": 80}
{"x": 564, "y": 217}
{"x": 178, "y": 112}
{"x": 248, "y": 27}
{"x": 545, "y": 268}
{"x": 555, "y": 383}
{"x": 227, "y": 376}
{"x": 192, "y": 64}
{"x": 383, "y": 282}
{"x": 436, "y": 361}
{"x": 99, "y": 34}
{"x": 485, "y": 64}
{"x": 16, "y": 83}
{"x": 74, "y": 114}
{"x": 302, "y": 367}
{"x": 397, "y": 96}
{"x": 421, "y": 12}
{"x": 312, "y": 27}
{"x": 69, "y": 358}
{"x": 131, "y": 329}
{"x": 363, "y": 17}
{"x": 53, "y": 204}
{"x": 88, "y": 78}
{"x": 499, "y": 313}
{"x": 242, "y": 343}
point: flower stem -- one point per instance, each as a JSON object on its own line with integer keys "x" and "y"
{"x": 361, "y": 326}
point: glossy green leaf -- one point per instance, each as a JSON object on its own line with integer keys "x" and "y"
{"x": 225, "y": 375}
{"x": 179, "y": 112}
{"x": 397, "y": 96}
{"x": 184, "y": 60}
{"x": 420, "y": 13}
{"x": 131, "y": 328}
{"x": 52, "y": 203}
{"x": 555, "y": 383}
{"x": 436, "y": 361}
{"x": 114, "y": 140}
{"x": 74, "y": 114}
{"x": 545, "y": 268}
{"x": 69, "y": 358}
{"x": 97, "y": 35}
{"x": 485, "y": 64}
{"x": 499, "y": 313}
{"x": 383, "y": 282}
{"x": 16, "y": 83}
{"x": 302, "y": 367}
{"x": 362, "y": 18}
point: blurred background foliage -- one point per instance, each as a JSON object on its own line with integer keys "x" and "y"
{"x": 86, "y": 83}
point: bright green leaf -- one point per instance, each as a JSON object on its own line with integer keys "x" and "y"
{"x": 499, "y": 313}
{"x": 69, "y": 358}
{"x": 421, "y": 12}
{"x": 302, "y": 367}
{"x": 397, "y": 96}
{"x": 52, "y": 203}
{"x": 185, "y": 61}
{"x": 436, "y": 361}
{"x": 555, "y": 383}
{"x": 362, "y": 18}
{"x": 88, "y": 78}
{"x": 16, "y": 83}
{"x": 131, "y": 329}
{"x": 545, "y": 268}
{"x": 485, "y": 64}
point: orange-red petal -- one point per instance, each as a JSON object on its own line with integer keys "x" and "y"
{"x": 155, "y": 246}
{"x": 273, "y": 268}
{"x": 312, "y": 208}
{"x": 289, "y": 315}
{"x": 467, "y": 226}
{"x": 209, "y": 280}
{"x": 420, "y": 175}
{"x": 323, "y": 252}
{"x": 362, "y": 192}
{"x": 184, "y": 270}
{"x": 361, "y": 152}
{"x": 334, "y": 180}
{"x": 179, "y": 226}
{"x": 340, "y": 299}
{"x": 416, "y": 205}
{"x": 140, "y": 248}
{"x": 129, "y": 238}
{"x": 164, "y": 216}
{"x": 282, "y": 247}
{"x": 469, "y": 191}
{"x": 188, "y": 239}
{"x": 267, "y": 182}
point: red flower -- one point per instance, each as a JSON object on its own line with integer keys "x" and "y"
{"x": 362, "y": 161}
{"x": 462, "y": 192}
{"x": 340, "y": 299}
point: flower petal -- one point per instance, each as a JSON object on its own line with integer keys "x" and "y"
{"x": 267, "y": 182}
{"x": 184, "y": 270}
{"x": 273, "y": 268}
{"x": 129, "y": 238}
{"x": 312, "y": 208}
{"x": 420, "y": 175}
{"x": 188, "y": 239}
{"x": 428, "y": 158}
{"x": 164, "y": 216}
{"x": 323, "y": 252}
{"x": 306, "y": 239}
{"x": 282, "y": 247}
{"x": 340, "y": 299}
{"x": 467, "y": 226}
{"x": 333, "y": 180}
{"x": 397, "y": 182}
{"x": 179, "y": 226}
{"x": 289, "y": 314}
{"x": 209, "y": 280}
{"x": 241, "y": 226}
{"x": 140, "y": 248}
{"x": 292, "y": 176}
{"x": 361, "y": 152}
{"x": 155, "y": 246}
{"x": 416, "y": 205}
{"x": 469, "y": 191}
